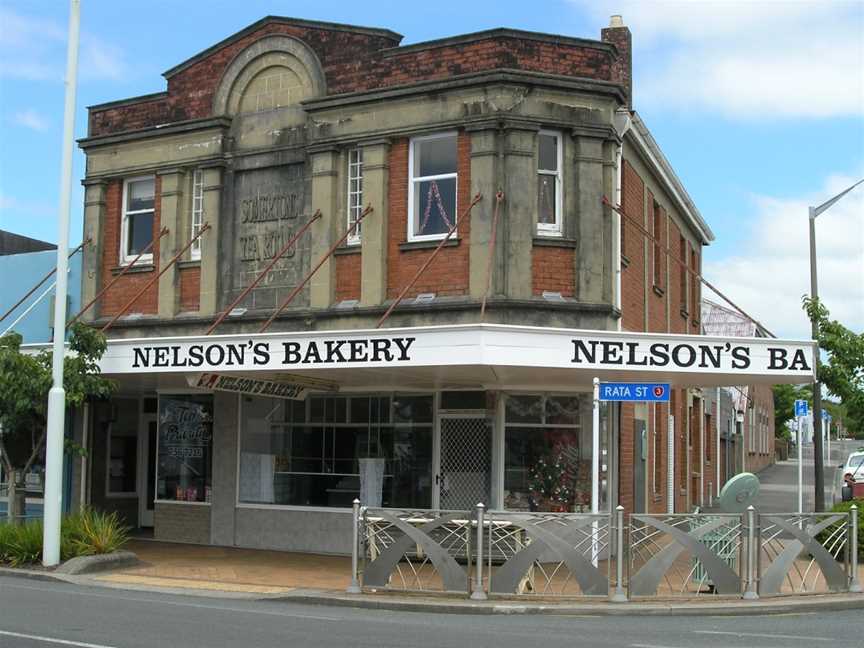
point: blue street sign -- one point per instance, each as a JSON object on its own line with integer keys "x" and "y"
{"x": 642, "y": 392}
{"x": 825, "y": 415}
{"x": 800, "y": 408}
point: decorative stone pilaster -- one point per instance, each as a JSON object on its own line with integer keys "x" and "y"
{"x": 373, "y": 240}
{"x": 171, "y": 216}
{"x": 209, "y": 299}
{"x": 485, "y": 181}
{"x": 324, "y": 232}
{"x": 518, "y": 213}
{"x": 94, "y": 227}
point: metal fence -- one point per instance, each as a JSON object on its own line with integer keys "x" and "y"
{"x": 483, "y": 553}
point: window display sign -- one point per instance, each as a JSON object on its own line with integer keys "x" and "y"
{"x": 185, "y": 448}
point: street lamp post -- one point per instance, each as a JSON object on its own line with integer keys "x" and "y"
{"x": 819, "y": 476}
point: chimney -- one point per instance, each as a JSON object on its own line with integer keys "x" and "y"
{"x": 618, "y": 34}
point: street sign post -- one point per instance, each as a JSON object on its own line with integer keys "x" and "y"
{"x": 800, "y": 413}
{"x": 635, "y": 392}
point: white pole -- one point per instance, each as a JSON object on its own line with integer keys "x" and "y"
{"x": 57, "y": 395}
{"x": 670, "y": 468}
{"x": 800, "y": 470}
{"x": 595, "y": 470}
{"x": 717, "y": 444}
{"x": 702, "y": 451}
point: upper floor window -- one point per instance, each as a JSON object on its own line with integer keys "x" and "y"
{"x": 432, "y": 186}
{"x": 549, "y": 165}
{"x": 136, "y": 231}
{"x": 197, "y": 211}
{"x": 657, "y": 233}
{"x": 355, "y": 192}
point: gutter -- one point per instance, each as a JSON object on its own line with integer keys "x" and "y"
{"x": 622, "y": 122}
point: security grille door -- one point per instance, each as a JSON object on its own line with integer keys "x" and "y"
{"x": 466, "y": 463}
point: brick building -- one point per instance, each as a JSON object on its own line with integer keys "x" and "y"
{"x": 291, "y": 121}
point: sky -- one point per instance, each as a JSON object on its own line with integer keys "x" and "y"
{"x": 759, "y": 106}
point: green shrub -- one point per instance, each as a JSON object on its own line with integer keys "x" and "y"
{"x": 843, "y": 507}
{"x": 99, "y": 533}
{"x": 26, "y": 544}
{"x": 85, "y": 533}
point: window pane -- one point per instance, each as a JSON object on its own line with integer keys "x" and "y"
{"x": 140, "y": 195}
{"x": 330, "y": 464}
{"x": 546, "y": 199}
{"x": 548, "y": 153}
{"x": 547, "y": 469}
{"x": 412, "y": 409}
{"x": 524, "y": 409}
{"x": 435, "y": 156}
{"x": 434, "y": 206}
{"x": 185, "y": 448}
{"x": 139, "y": 232}
{"x": 565, "y": 410}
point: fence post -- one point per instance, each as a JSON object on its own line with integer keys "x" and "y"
{"x": 477, "y": 592}
{"x": 855, "y": 583}
{"x": 750, "y": 592}
{"x": 619, "y": 595}
{"x": 354, "y": 587}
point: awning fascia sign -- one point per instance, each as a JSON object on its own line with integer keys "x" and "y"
{"x": 602, "y": 353}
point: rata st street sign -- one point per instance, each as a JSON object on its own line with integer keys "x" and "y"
{"x": 638, "y": 392}
{"x": 800, "y": 408}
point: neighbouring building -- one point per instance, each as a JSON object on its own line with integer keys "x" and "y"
{"x": 25, "y": 267}
{"x": 263, "y": 438}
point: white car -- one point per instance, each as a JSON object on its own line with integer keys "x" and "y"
{"x": 854, "y": 467}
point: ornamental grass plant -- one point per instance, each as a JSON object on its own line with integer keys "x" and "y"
{"x": 85, "y": 533}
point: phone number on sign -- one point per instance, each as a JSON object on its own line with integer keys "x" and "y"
{"x": 186, "y": 453}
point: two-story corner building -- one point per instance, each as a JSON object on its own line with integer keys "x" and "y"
{"x": 264, "y": 438}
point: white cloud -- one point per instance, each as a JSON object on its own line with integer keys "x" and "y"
{"x": 770, "y": 272}
{"x": 757, "y": 60}
{"x": 31, "y": 119}
{"x": 34, "y": 49}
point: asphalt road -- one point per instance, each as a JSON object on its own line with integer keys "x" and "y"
{"x": 778, "y": 492}
{"x": 39, "y": 614}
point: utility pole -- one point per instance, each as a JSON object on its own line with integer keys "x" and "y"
{"x": 819, "y": 471}
{"x": 53, "y": 498}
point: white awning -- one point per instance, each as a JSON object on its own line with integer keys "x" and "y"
{"x": 470, "y": 355}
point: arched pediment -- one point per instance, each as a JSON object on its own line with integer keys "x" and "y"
{"x": 273, "y": 72}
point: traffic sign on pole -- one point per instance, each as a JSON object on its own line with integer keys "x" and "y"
{"x": 639, "y": 392}
{"x": 800, "y": 408}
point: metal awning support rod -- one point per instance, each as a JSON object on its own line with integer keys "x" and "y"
{"x": 153, "y": 280}
{"x": 264, "y": 272}
{"x": 42, "y": 281}
{"x": 432, "y": 256}
{"x": 321, "y": 261}
{"x": 498, "y": 198}
{"x": 126, "y": 269}
{"x": 684, "y": 265}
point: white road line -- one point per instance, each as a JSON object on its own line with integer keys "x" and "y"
{"x": 763, "y": 635}
{"x": 62, "y": 642}
{"x": 176, "y": 603}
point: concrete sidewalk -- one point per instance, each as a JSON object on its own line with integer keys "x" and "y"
{"x": 231, "y": 569}
{"x": 319, "y": 579}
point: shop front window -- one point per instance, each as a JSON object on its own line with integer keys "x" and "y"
{"x": 328, "y": 450}
{"x": 185, "y": 453}
{"x": 123, "y": 448}
{"x": 548, "y": 453}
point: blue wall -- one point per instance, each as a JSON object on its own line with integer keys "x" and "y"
{"x": 18, "y": 274}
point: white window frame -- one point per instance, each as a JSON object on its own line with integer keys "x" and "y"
{"x": 124, "y": 222}
{"x": 197, "y": 219}
{"x": 553, "y": 229}
{"x": 441, "y": 176}
{"x": 355, "y": 172}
